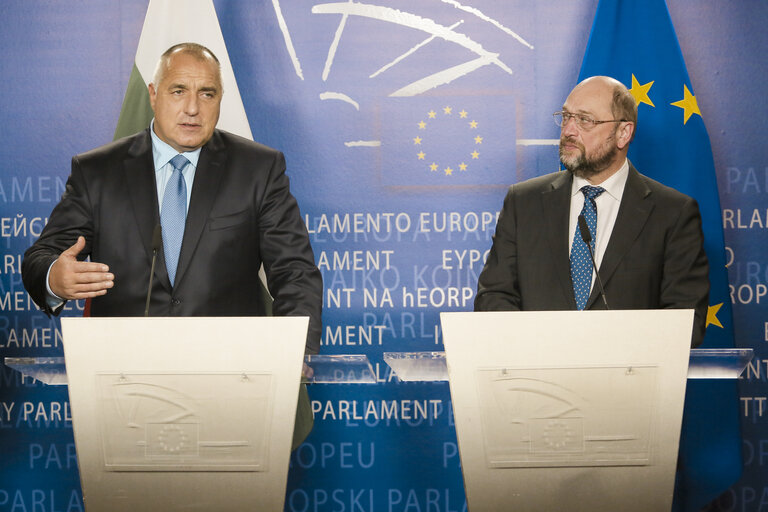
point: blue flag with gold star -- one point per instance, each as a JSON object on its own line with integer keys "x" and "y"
{"x": 634, "y": 41}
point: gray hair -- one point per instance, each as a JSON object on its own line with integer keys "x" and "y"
{"x": 196, "y": 50}
{"x": 624, "y": 107}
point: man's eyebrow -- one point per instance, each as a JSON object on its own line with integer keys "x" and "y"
{"x": 210, "y": 88}
{"x": 582, "y": 111}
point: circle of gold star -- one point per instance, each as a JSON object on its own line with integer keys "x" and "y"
{"x": 447, "y": 112}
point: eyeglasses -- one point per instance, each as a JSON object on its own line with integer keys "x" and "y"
{"x": 584, "y": 123}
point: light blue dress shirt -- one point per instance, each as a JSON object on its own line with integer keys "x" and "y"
{"x": 162, "y": 154}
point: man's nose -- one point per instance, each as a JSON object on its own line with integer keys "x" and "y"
{"x": 569, "y": 127}
{"x": 191, "y": 106}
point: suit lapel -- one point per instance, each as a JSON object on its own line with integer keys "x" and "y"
{"x": 636, "y": 206}
{"x": 139, "y": 174}
{"x": 210, "y": 168}
{"x": 556, "y": 203}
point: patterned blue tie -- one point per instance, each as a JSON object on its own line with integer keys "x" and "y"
{"x": 174, "y": 215}
{"x": 581, "y": 263}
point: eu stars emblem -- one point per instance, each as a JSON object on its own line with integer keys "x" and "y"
{"x": 466, "y": 140}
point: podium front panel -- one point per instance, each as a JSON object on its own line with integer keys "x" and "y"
{"x": 574, "y": 410}
{"x": 178, "y": 421}
{"x": 183, "y": 413}
{"x": 567, "y": 416}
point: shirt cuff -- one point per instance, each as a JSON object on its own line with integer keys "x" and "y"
{"x": 51, "y": 299}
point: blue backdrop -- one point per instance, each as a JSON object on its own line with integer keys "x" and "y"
{"x": 399, "y": 146}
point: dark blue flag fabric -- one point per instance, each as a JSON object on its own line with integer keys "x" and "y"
{"x": 634, "y": 41}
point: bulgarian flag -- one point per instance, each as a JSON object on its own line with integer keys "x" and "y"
{"x": 169, "y": 22}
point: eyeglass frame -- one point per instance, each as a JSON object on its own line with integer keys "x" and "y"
{"x": 583, "y": 122}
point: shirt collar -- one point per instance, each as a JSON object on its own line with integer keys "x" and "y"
{"x": 162, "y": 152}
{"x": 614, "y": 186}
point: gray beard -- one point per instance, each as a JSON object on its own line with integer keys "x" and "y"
{"x": 587, "y": 167}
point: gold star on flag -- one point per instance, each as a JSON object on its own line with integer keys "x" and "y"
{"x": 473, "y": 124}
{"x": 433, "y": 167}
{"x": 448, "y": 171}
{"x": 462, "y": 166}
{"x": 640, "y": 92}
{"x": 421, "y": 155}
{"x": 422, "y": 125}
{"x": 417, "y": 140}
{"x": 447, "y": 110}
{"x": 712, "y": 315}
{"x": 478, "y": 140}
{"x": 689, "y": 104}
{"x": 475, "y": 154}
{"x": 431, "y": 114}
{"x": 463, "y": 114}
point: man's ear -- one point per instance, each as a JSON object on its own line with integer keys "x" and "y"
{"x": 624, "y": 135}
{"x": 152, "y": 95}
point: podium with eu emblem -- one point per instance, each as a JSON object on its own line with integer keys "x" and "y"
{"x": 574, "y": 410}
{"x": 183, "y": 413}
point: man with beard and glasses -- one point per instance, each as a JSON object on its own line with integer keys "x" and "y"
{"x": 648, "y": 242}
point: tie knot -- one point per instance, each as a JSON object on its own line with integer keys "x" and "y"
{"x": 589, "y": 191}
{"x": 179, "y": 162}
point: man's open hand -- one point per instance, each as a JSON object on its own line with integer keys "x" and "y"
{"x": 71, "y": 279}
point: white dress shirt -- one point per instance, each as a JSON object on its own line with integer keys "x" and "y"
{"x": 607, "y": 210}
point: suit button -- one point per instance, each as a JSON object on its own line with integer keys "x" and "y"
{"x": 175, "y": 302}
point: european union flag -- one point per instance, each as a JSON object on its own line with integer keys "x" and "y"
{"x": 634, "y": 41}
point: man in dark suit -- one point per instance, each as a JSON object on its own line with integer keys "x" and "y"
{"x": 223, "y": 201}
{"x": 648, "y": 241}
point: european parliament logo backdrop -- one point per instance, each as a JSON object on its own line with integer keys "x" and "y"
{"x": 402, "y": 123}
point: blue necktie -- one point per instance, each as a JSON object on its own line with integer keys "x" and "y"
{"x": 581, "y": 263}
{"x": 174, "y": 215}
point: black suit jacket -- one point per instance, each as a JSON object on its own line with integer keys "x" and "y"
{"x": 241, "y": 214}
{"x": 654, "y": 259}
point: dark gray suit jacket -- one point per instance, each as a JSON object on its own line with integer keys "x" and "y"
{"x": 241, "y": 214}
{"x": 655, "y": 257}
